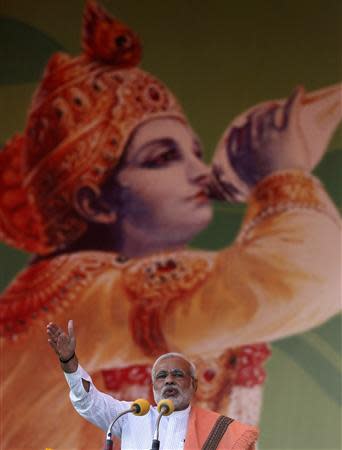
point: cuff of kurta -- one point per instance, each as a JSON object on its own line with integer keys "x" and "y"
{"x": 75, "y": 378}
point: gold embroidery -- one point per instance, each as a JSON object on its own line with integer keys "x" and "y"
{"x": 285, "y": 191}
{"x": 154, "y": 285}
{"x": 46, "y": 286}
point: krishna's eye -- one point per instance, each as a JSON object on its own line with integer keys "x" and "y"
{"x": 162, "y": 158}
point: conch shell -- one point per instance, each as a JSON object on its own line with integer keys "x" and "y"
{"x": 318, "y": 114}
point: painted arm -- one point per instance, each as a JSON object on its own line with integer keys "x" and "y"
{"x": 282, "y": 275}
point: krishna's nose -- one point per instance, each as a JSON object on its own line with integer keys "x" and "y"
{"x": 198, "y": 171}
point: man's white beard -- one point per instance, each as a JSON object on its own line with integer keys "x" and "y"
{"x": 182, "y": 400}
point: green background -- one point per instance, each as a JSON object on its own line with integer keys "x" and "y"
{"x": 219, "y": 57}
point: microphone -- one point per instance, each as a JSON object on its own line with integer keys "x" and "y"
{"x": 165, "y": 408}
{"x": 139, "y": 407}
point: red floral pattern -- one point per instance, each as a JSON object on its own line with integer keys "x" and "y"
{"x": 244, "y": 363}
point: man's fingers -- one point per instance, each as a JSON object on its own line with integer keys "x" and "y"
{"x": 71, "y": 330}
{"x": 52, "y": 344}
{"x": 53, "y": 328}
{"x": 50, "y": 334}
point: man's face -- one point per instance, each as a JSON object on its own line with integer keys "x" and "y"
{"x": 172, "y": 379}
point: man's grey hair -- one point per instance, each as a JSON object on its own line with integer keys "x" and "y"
{"x": 193, "y": 370}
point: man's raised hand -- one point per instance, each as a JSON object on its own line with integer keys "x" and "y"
{"x": 63, "y": 343}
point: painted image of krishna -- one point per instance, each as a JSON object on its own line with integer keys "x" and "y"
{"x": 105, "y": 187}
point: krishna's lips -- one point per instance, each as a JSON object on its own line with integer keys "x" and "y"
{"x": 200, "y": 196}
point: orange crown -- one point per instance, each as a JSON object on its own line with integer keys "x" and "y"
{"x": 81, "y": 117}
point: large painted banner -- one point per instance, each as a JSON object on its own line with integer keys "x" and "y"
{"x": 221, "y": 243}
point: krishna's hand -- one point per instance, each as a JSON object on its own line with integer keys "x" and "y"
{"x": 273, "y": 136}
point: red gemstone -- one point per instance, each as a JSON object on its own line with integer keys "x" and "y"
{"x": 209, "y": 374}
{"x": 154, "y": 94}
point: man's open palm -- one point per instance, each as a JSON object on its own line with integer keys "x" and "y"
{"x": 64, "y": 344}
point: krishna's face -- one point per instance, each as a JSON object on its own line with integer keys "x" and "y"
{"x": 163, "y": 182}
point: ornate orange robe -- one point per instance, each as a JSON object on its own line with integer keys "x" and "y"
{"x": 280, "y": 277}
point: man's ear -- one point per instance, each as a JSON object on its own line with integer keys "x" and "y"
{"x": 195, "y": 384}
{"x": 90, "y": 204}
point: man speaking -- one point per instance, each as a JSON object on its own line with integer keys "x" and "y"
{"x": 173, "y": 378}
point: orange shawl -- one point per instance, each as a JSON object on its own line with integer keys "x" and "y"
{"x": 237, "y": 437}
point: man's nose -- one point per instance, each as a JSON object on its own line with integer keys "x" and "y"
{"x": 169, "y": 379}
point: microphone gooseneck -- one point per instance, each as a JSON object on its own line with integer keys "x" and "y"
{"x": 139, "y": 407}
{"x": 165, "y": 408}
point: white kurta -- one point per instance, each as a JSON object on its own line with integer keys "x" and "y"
{"x": 135, "y": 432}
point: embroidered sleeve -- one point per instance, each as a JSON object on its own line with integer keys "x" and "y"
{"x": 286, "y": 191}
{"x": 281, "y": 276}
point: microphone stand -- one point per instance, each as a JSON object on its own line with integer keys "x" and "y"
{"x": 109, "y": 442}
{"x": 139, "y": 408}
{"x": 165, "y": 408}
{"x": 156, "y": 441}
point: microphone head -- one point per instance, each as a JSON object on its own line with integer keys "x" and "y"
{"x": 140, "y": 406}
{"x": 166, "y": 407}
